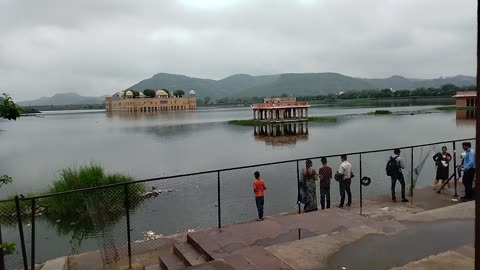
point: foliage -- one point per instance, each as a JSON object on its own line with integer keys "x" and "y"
{"x": 8, "y": 248}
{"x": 206, "y": 100}
{"x": 86, "y": 177}
{"x": 178, "y": 93}
{"x": 451, "y": 108}
{"x": 322, "y": 119}
{"x": 5, "y": 179}
{"x": 149, "y": 93}
{"x": 380, "y": 112}
{"x": 250, "y": 122}
{"x": 8, "y": 109}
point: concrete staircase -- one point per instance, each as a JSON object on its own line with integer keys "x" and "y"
{"x": 184, "y": 256}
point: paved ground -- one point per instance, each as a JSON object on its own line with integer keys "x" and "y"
{"x": 333, "y": 238}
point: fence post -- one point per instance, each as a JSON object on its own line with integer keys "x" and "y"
{"x": 298, "y": 190}
{"x": 361, "y": 186}
{"x": 32, "y": 256}
{"x": 127, "y": 213}
{"x": 20, "y": 229}
{"x": 455, "y": 168}
{"x": 2, "y": 259}
{"x": 412, "y": 187}
{"x": 219, "y": 202}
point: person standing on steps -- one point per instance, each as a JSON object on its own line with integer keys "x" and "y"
{"x": 442, "y": 161}
{"x": 344, "y": 179}
{"x": 259, "y": 190}
{"x": 394, "y": 169}
{"x": 325, "y": 174}
{"x": 308, "y": 178}
{"x": 468, "y": 171}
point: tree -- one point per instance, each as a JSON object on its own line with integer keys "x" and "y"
{"x": 206, "y": 100}
{"x": 149, "y": 93}
{"x": 284, "y": 95}
{"x": 11, "y": 111}
{"x": 178, "y": 93}
{"x": 8, "y": 109}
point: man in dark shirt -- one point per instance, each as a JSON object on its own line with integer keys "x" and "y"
{"x": 325, "y": 173}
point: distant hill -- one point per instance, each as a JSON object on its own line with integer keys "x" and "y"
{"x": 298, "y": 84}
{"x": 63, "y": 99}
{"x": 244, "y": 85}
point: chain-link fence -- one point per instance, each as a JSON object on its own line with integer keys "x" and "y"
{"x": 124, "y": 220}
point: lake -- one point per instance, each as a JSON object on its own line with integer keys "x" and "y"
{"x": 33, "y": 149}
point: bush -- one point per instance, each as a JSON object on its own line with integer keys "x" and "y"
{"x": 75, "y": 204}
{"x": 380, "y": 112}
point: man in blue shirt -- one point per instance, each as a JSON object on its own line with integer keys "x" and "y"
{"x": 469, "y": 170}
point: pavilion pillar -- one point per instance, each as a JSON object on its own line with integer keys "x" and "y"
{"x": 306, "y": 112}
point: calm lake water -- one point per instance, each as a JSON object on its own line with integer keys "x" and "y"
{"x": 33, "y": 149}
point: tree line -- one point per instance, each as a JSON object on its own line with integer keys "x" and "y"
{"x": 446, "y": 90}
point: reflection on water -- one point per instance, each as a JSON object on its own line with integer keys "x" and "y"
{"x": 281, "y": 133}
{"x": 466, "y": 118}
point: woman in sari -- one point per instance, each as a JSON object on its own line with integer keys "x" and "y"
{"x": 309, "y": 192}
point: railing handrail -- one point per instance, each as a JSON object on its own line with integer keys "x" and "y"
{"x": 224, "y": 170}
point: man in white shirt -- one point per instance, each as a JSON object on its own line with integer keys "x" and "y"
{"x": 398, "y": 176}
{"x": 345, "y": 169}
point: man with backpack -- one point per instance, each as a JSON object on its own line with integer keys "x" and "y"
{"x": 394, "y": 169}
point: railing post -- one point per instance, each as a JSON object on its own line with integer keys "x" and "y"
{"x": 412, "y": 187}
{"x": 32, "y": 256}
{"x": 361, "y": 186}
{"x": 298, "y": 190}
{"x": 455, "y": 168}
{"x": 127, "y": 213}
{"x": 20, "y": 229}
{"x": 2, "y": 259}
{"x": 219, "y": 202}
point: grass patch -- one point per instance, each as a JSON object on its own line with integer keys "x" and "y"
{"x": 451, "y": 108}
{"x": 250, "y": 123}
{"x": 75, "y": 204}
{"x": 322, "y": 119}
{"x": 380, "y": 112}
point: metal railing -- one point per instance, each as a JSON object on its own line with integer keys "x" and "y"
{"x": 203, "y": 200}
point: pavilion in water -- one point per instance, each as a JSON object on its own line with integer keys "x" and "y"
{"x": 281, "y": 110}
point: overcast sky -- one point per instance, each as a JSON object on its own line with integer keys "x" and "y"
{"x": 98, "y": 47}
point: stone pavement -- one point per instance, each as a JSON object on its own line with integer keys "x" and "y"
{"x": 311, "y": 240}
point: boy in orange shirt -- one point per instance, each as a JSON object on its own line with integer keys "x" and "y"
{"x": 259, "y": 190}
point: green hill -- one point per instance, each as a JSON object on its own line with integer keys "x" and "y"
{"x": 297, "y": 84}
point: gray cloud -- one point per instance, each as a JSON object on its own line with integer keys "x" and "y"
{"x": 98, "y": 47}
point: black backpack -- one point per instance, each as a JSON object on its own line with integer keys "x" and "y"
{"x": 392, "y": 166}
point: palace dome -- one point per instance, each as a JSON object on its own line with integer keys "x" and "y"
{"x": 192, "y": 93}
{"x": 141, "y": 94}
{"x": 121, "y": 93}
{"x": 161, "y": 93}
{"x": 129, "y": 93}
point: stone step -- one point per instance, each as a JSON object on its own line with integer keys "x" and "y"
{"x": 203, "y": 244}
{"x": 153, "y": 267}
{"x": 188, "y": 254}
{"x": 171, "y": 262}
{"x": 56, "y": 264}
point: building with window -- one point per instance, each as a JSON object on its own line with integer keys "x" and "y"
{"x": 281, "y": 110}
{"x": 162, "y": 102}
{"x": 466, "y": 99}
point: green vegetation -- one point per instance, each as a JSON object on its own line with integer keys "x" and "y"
{"x": 380, "y": 112}
{"x": 149, "y": 93}
{"x": 251, "y": 123}
{"x": 322, "y": 119}
{"x": 451, "y": 108}
{"x": 8, "y": 109}
{"x": 75, "y": 204}
{"x": 178, "y": 93}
